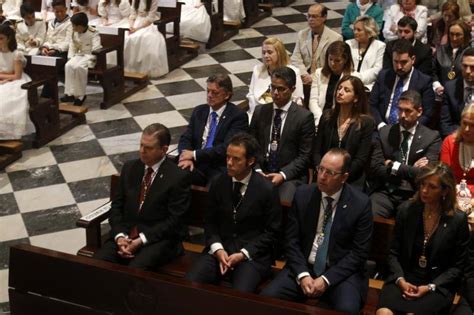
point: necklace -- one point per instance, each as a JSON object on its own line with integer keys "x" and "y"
{"x": 427, "y": 233}
{"x": 342, "y": 128}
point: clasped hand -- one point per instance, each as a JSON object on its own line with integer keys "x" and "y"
{"x": 313, "y": 287}
{"x": 227, "y": 262}
{"x": 128, "y": 247}
{"x": 412, "y": 292}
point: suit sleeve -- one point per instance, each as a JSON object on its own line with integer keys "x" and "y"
{"x": 305, "y": 139}
{"x": 357, "y": 256}
{"x": 446, "y": 123}
{"x": 179, "y": 200}
{"x": 369, "y": 76}
{"x": 240, "y": 123}
{"x": 378, "y": 170}
{"x": 396, "y": 270}
{"x": 362, "y": 155}
{"x": 186, "y": 139}
{"x": 428, "y": 100}
{"x": 375, "y": 99}
{"x": 426, "y": 66}
{"x": 251, "y": 95}
{"x": 297, "y": 58}
{"x": 387, "y": 57}
{"x": 211, "y": 216}
{"x": 253, "y": 130}
{"x": 314, "y": 106}
{"x": 318, "y": 141}
{"x": 116, "y": 219}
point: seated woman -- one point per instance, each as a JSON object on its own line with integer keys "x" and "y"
{"x": 434, "y": 9}
{"x": 367, "y": 51}
{"x": 357, "y": 9}
{"x": 405, "y": 7}
{"x": 113, "y": 13}
{"x": 338, "y": 63}
{"x": 447, "y": 60}
{"x": 145, "y": 47}
{"x": 14, "y": 107}
{"x": 458, "y": 149}
{"x": 195, "y": 21}
{"x": 439, "y": 35}
{"x": 274, "y": 56}
{"x": 347, "y": 125}
{"x": 88, "y": 7}
{"x": 234, "y": 10}
{"x": 428, "y": 249}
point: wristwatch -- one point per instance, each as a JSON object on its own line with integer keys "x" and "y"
{"x": 432, "y": 287}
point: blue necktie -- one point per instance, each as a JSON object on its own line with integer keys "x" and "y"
{"x": 393, "y": 117}
{"x": 322, "y": 253}
{"x": 276, "y": 130}
{"x": 212, "y": 131}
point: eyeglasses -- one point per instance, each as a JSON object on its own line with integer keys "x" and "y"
{"x": 313, "y": 16}
{"x": 279, "y": 89}
{"x": 321, "y": 169}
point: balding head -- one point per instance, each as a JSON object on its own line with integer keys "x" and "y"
{"x": 317, "y": 15}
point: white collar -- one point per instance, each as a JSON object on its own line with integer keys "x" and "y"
{"x": 156, "y": 166}
{"x": 244, "y": 181}
{"x": 284, "y": 108}
{"x": 219, "y": 111}
{"x": 411, "y": 130}
{"x": 336, "y": 196}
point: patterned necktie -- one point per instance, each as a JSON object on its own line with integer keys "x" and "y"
{"x": 236, "y": 194}
{"x": 145, "y": 187}
{"x": 393, "y": 117}
{"x": 403, "y": 158}
{"x": 314, "y": 64}
{"x": 276, "y": 130}
{"x": 212, "y": 131}
{"x": 322, "y": 253}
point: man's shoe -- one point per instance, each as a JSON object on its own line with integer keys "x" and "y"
{"x": 67, "y": 99}
{"x": 79, "y": 102}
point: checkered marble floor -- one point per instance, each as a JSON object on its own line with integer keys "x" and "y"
{"x": 48, "y": 189}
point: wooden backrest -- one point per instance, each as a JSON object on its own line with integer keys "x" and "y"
{"x": 381, "y": 238}
{"x": 112, "y": 39}
{"x": 36, "y": 4}
{"x": 66, "y": 284}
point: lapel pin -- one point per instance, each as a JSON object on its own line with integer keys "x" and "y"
{"x": 223, "y": 117}
{"x": 344, "y": 206}
{"x": 444, "y": 225}
{"x": 161, "y": 175}
{"x": 419, "y": 137}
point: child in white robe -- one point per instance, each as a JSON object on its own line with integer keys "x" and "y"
{"x": 31, "y": 32}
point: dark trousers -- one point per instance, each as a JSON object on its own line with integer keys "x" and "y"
{"x": 344, "y": 297}
{"x": 147, "y": 257}
{"x": 244, "y": 277}
{"x": 385, "y": 204}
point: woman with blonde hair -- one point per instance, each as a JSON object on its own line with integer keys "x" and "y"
{"x": 274, "y": 56}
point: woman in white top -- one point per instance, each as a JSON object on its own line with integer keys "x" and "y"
{"x": 88, "y": 7}
{"x": 113, "y": 13}
{"x": 409, "y": 8}
{"x": 338, "y": 63}
{"x": 274, "y": 56}
{"x": 195, "y": 21}
{"x": 367, "y": 51}
{"x": 145, "y": 47}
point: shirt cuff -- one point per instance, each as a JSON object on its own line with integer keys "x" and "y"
{"x": 395, "y": 167}
{"x": 120, "y": 235}
{"x": 194, "y": 155}
{"x": 259, "y": 170}
{"x": 215, "y": 247}
{"x": 436, "y": 85}
{"x": 246, "y": 253}
{"x": 381, "y": 125}
{"x": 283, "y": 174}
{"x": 398, "y": 280}
{"x": 143, "y": 238}
{"x": 301, "y": 276}
{"x": 326, "y": 280}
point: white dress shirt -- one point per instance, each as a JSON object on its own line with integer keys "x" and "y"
{"x": 208, "y": 126}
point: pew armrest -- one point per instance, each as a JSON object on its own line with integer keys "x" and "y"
{"x": 95, "y": 217}
{"x": 34, "y": 84}
{"x": 165, "y": 20}
{"x": 104, "y": 50}
{"x": 91, "y": 223}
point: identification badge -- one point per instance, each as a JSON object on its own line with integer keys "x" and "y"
{"x": 320, "y": 239}
{"x": 274, "y": 146}
{"x": 451, "y": 75}
{"x": 422, "y": 262}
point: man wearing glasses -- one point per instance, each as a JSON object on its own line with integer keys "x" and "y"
{"x": 285, "y": 133}
{"x": 328, "y": 237}
{"x": 312, "y": 43}
{"x": 202, "y": 147}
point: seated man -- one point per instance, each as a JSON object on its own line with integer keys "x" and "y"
{"x": 202, "y": 146}
{"x": 328, "y": 237}
{"x": 406, "y": 29}
{"x": 242, "y": 222}
{"x": 393, "y": 81}
{"x": 285, "y": 133}
{"x": 147, "y": 215}
{"x": 398, "y": 154}
{"x": 457, "y": 94}
{"x": 59, "y": 32}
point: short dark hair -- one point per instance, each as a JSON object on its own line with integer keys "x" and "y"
{"x": 223, "y": 81}
{"x": 58, "y": 3}
{"x": 408, "y": 21}
{"x": 403, "y": 46}
{"x": 26, "y": 9}
{"x": 468, "y": 52}
{"x": 80, "y": 19}
{"x": 248, "y": 142}
{"x": 7, "y": 30}
{"x": 346, "y": 166}
{"x": 413, "y": 97}
{"x": 286, "y": 74}
{"x": 160, "y": 132}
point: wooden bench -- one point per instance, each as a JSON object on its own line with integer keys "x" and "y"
{"x": 10, "y": 151}
{"x": 219, "y": 31}
{"x": 66, "y": 284}
{"x": 255, "y": 11}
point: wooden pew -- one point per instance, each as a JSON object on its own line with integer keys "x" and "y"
{"x": 219, "y": 31}
{"x": 255, "y": 11}
{"x": 50, "y": 119}
{"x": 66, "y": 284}
{"x": 116, "y": 84}
{"x": 10, "y": 151}
{"x": 178, "y": 54}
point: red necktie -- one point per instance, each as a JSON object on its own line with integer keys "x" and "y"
{"x": 145, "y": 187}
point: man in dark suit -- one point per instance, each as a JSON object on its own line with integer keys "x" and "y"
{"x": 399, "y": 153}
{"x": 406, "y": 29}
{"x": 202, "y": 146}
{"x": 392, "y": 82}
{"x": 457, "y": 94}
{"x": 328, "y": 237}
{"x": 147, "y": 214}
{"x": 285, "y": 133}
{"x": 242, "y": 222}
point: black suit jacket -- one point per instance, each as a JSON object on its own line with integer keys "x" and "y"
{"x": 382, "y": 91}
{"x": 423, "y": 61}
{"x": 358, "y": 144}
{"x": 162, "y": 215}
{"x": 294, "y": 150}
{"x": 453, "y": 104}
{"x": 350, "y": 236}
{"x": 257, "y": 222}
{"x": 449, "y": 247}
{"x": 425, "y": 143}
{"x": 233, "y": 120}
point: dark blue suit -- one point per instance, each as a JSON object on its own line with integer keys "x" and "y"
{"x": 212, "y": 161}
{"x": 453, "y": 104}
{"x": 348, "y": 250}
{"x": 382, "y": 91}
